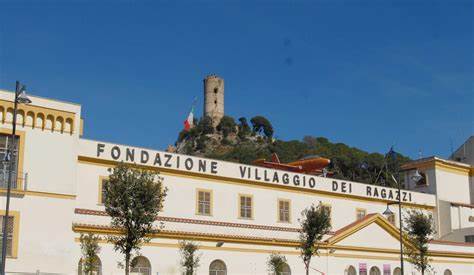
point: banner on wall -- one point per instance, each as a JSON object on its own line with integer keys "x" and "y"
{"x": 362, "y": 269}
{"x": 386, "y": 269}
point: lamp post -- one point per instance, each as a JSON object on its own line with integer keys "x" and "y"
{"x": 388, "y": 212}
{"x": 20, "y": 98}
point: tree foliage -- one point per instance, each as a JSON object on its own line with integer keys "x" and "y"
{"x": 419, "y": 228}
{"x": 314, "y": 224}
{"x": 347, "y": 163}
{"x": 262, "y": 125}
{"x": 276, "y": 263}
{"x": 189, "y": 257}
{"x": 226, "y": 126}
{"x": 90, "y": 249}
{"x": 133, "y": 199}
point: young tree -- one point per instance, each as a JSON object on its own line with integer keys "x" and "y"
{"x": 189, "y": 257}
{"x": 315, "y": 223}
{"x": 133, "y": 199}
{"x": 276, "y": 263}
{"x": 420, "y": 230}
{"x": 90, "y": 249}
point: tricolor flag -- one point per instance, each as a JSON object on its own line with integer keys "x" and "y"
{"x": 188, "y": 123}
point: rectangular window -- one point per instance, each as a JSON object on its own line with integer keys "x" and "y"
{"x": 469, "y": 238}
{"x": 5, "y": 144}
{"x": 10, "y": 233}
{"x": 204, "y": 199}
{"x": 360, "y": 213}
{"x": 284, "y": 210}
{"x": 246, "y": 207}
{"x": 327, "y": 207}
{"x": 102, "y": 181}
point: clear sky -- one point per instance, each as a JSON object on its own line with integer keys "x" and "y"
{"x": 366, "y": 73}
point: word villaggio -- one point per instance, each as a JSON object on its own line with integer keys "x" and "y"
{"x": 166, "y": 160}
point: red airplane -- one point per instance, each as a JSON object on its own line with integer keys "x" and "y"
{"x": 314, "y": 165}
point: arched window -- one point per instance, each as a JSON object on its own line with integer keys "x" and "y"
{"x": 217, "y": 267}
{"x": 447, "y": 272}
{"x": 350, "y": 270}
{"x": 285, "y": 270}
{"x": 374, "y": 271}
{"x": 97, "y": 270}
{"x": 141, "y": 265}
{"x": 397, "y": 271}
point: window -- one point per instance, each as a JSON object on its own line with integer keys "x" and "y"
{"x": 97, "y": 268}
{"x": 360, "y": 213}
{"x": 140, "y": 265}
{"x": 102, "y": 181}
{"x": 374, "y": 271}
{"x": 327, "y": 208}
{"x": 204, "y": 200}
{"x": 245, "y": 207}
{"x": 5, "y": 144}
{"x": 12, "y": 232}
{"x": 285, "y": 270}
{"x": 447, "y": 272}
{"x": 469, "y": 238}
{"x": 391, "y": 218}
{"x": 217, "y": 267}
{"x": 284, "y": 210}
{"x": 350, "y": 270}
{"x": 397, "y": 271}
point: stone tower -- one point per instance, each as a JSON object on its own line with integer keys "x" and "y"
{"x": 214, "y": 98}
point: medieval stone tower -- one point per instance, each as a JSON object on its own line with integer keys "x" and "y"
{"x": 214, "y": 98}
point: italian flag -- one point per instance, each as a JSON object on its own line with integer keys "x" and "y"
{"x": 188, "y": 123}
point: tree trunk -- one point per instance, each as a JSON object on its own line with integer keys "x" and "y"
{"x": 127, "y": 264}
{"x": 306, "y": 265}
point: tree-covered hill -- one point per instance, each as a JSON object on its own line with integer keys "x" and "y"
{"x": 243, "y": 143}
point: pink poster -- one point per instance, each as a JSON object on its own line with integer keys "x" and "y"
{"x": 386, "y": 269}
{"x": 362, "y": 269}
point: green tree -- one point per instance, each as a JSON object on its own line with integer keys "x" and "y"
{"x": 276, "y": 263}
{"x": 315, "y": 223}
{"x": 226, "y": 126}
{"x": 90, "y": 249}
{"x": 262, "y": 125}
{"x": 133, "y": 199}
{"x": 419, "y": 230}
{"x": 205, "y": 126}
{"x": 244, "y": 128}
{"x": 189, "y": 257}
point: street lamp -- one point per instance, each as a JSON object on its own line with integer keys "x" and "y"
{"x": 389, "y": 212}
{"x": 415, "y": 178}
{"x": 20, "y": 98}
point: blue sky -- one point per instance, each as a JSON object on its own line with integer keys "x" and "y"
{"x": 366, "y": 73}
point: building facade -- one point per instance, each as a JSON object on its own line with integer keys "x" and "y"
{"x": 237, "y": 214}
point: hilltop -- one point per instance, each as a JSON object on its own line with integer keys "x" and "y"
{"x": 243, "y": 143}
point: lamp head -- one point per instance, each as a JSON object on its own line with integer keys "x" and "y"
{"x": 387, "y": 211}
{"x": 219, "y": 244}
{"x": 22, "y": 98}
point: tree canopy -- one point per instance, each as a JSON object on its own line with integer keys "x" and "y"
{"x": 133, "y": 199}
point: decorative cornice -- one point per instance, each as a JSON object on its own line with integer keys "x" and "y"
{"x": 195, "y": 221}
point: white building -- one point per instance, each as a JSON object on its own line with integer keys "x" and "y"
{"x": 249, "y": 211}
